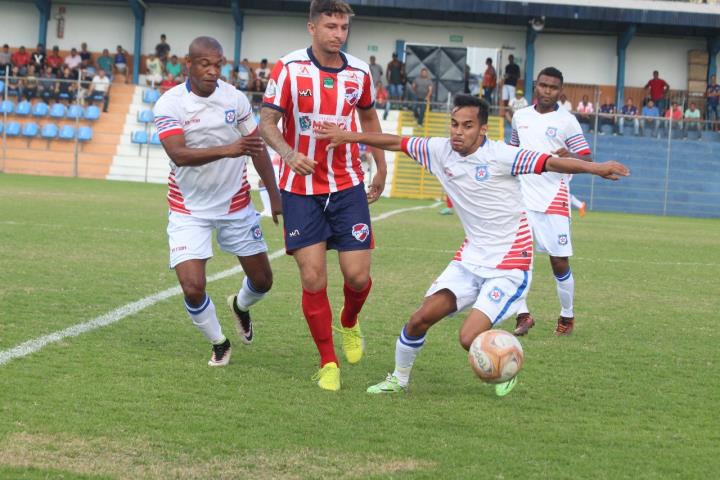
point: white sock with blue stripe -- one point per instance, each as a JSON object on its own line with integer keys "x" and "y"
{"x": 566, "y": 292}
{"x": 204, "y": 317}
{"x": 248, "y": 295}
{"x": 406, "y": 350}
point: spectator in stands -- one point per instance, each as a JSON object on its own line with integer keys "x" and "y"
{"x": 154, "y": 70}
{"x": 87, "y": 71}
{"x": 376, "y": 71}
{"x": 168, "y": 83}
{"x": 243, "y": 75}
{"x": 515, "y": 104}
{"x": 120, "y": 61}
{"x": 584, "y": 112}
{"x": 656, "y": 89}
{"x": 226, "y": 71}
{"x": 607, "y": 115}
{"x": 712, "y": 95}
{"x": 395, "y": 75}
{"x": 565, "y": 103}
{"x": 38, "y": 58}
{"x": 650, "y": 113}
{"x": 73, "y": 61}
{"x": 55, "y": 61}
{"x": 66, "y": 86}
{"x": 630, "y": 112}
{"x": 466, "y": 79}
{"x": 263, "y": 73}
{"x": 105, "y": 62}
{"x": 15, "y": 83}
{"x": 100, "y": 89}
{"x": 422, "y": 89}
{"x": 47, "y": 84}
{"x": 673, "y": 114}
{"x": 510, "y": 79}
{"x": 692, "y": 119}
{"x": 5, "y": 59}
{"x": 489, "y": 81}
{"x": 21, "y": 59}
{"x": 162, "y": 49}
{"x": 257, "y": 85}
{"x": 30, "y": 83}
{"x": 381, "y": 98}
{"x": 173, "y": 67}
{"x": 85, "y": 55}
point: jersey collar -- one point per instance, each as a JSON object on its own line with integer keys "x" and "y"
{"x": 327, "y": 69}
{"x": 557, "y": 107}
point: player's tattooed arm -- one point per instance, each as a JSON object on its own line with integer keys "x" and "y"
{"x": 270, "y": 132}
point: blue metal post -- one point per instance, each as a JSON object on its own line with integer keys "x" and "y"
{"x": 139, "y": 11}
{"x": 400, "y": 49}
{"x": 530, "y": 37}
{"x": 239, "y": 18}
{"x": 622, "y": 43}
{"x": 713, "y": 50}
{"x": 44, "y": 7}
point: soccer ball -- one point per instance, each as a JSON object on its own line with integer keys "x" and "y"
{"x": 496, "y": 356}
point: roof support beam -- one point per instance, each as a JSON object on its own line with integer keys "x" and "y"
{"x": 44, "y": 7}
{"x": 623, "y": 41}
{"x": 239, "y": 18}
{"x": 713, "y": 46}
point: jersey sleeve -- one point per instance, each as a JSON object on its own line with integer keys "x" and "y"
{"x": 520, "y": 161}
{"x": 167, "y": 120}
{"x": 425, "y": 151}
{"x": 277, "y": 93}
{"x": 245, "y": 118}
{"x": 514, "y": 137}
{"x": 367, "y": 100}
{"x": 575, "y": 140}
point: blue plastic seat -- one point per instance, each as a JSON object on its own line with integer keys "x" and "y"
{"x": 145, "y": 116}
{"x": 30, "y": 130}
{"x": 57, "y": 111}
{"x": 7, "y": 106}
{"x": 12, "y": 129}
{"x": 92, "y": 113}
{"x": 2, "y": 87}
{"x": 49, "y": 131}
{"x": 40, "y": 109}
{"x": 155, "y": 139}
{"x": 151, "y": 96}
{"x": 23, "y": 108}
{"x": 74, "y": 112}
{"x": 140, "y": 137}
{"x": 85, "y": 134}
{"x": 66, "y": 132}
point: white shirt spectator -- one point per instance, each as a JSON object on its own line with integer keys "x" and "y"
{"x": 73, "y": 61}
{"x": 100, "y": 84}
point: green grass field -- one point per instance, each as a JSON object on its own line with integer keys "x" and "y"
{"x": 632, "y": 394}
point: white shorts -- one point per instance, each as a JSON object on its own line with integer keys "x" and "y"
{"x": 508, "y": 92}
{"x": 494, "y": 292}
{"x": 190, "y": 237}
{"x": 552, "y": 233}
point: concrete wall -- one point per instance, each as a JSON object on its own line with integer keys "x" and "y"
{"x": 19, "y": 24}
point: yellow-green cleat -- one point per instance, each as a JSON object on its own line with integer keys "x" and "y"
{"x": 353, "y": 342}
{"x": 502, "y": 389}
{"x": 328, "y": 377}
{"x": 390, "y": 385}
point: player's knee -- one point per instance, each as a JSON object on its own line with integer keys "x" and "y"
{"x": 194, "y": 291}
{"x": 262, "y": 282}
{"x": 358, "y": 281}
{"x": 313, "y": 280}
{"x": 466, "y": 338}
{"x": 417, "y": 325}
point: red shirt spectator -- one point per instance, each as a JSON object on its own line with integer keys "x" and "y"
{"x": 657, "y": 87}
{"x": 20, "y": 58}
{"x": 674, "y": 112}
{"x": 54, "y": 60}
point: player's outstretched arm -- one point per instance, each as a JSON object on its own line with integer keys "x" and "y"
{"x": 370, "y": 123}
{"x": 610, "y": 170}
{"x": 270, "y": 132}
{"x": 337, "y": 136}
{"x": 184, "y": 156}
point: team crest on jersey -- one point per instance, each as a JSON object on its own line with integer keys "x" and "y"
{"x": 360, "y": 231}
{"x": 551, "y": 132}
{"x": 230, "y": 116}
{"x": 271, "y": 88}
{"x": 305, "y": 93}
{"x": 482, "y": 173}
{"x": 305, "y": 123}
{"x": 257, "y": 232}
{"x": 496, "y": 295}
{"x": 352, "y": 95}
{"x": 563, "y": 239}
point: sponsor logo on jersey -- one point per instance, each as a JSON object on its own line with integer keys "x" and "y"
{"x": 348, "y": 75}
{"x": 563, "y": 239}
{"x": 328, "y": 82}
{"x": 304, "y": 71}
{"x": 305, "y": 93}
{"x": 360, "y": 231}
{"x": 271, "y": 88}
{"x": 309, "y": 123}
{"x": 229, "y": 116}
{"x": 257, "y": 232}
{"x": 496, "y": 295}
{"x": 448, "y": 173}
{"x": 352, "y": 95}
{"x": 482, "y": 173}
{"x": 551, "y": 132}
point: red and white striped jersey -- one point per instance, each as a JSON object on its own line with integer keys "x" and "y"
{"x": 547, "y": 132}
{"x": 486, "y": 195}
{"x": 220, "y": 188}
{"x": 307, "y": 94}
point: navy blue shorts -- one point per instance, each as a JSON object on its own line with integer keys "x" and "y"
{"x": 342, "y": 219}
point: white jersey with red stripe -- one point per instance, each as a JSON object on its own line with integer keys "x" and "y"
{"x": 307, "y": 94}
{"x": 547, "y": 132}
{"x": 217, "y": 189}
{"x": 486, "y": 195}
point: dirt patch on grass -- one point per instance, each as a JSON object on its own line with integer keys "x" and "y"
{"x": 142, "y": 459}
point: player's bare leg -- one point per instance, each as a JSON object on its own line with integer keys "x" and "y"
{"x": 355, "y": 267}
{"x": 191, "y": 275}
{"x": 257, "y": 282}
{"x": 565, "y": 289}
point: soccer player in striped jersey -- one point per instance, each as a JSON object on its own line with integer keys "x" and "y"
{"x": 491, "y": 270}
{"x": 324, "y": 200}
{"x": 547, "y": 128}
{"x": 207, "y": 128}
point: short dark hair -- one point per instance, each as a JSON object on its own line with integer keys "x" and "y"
{"x": 551, "y": 72}
{"x": 329, "y": 7}
{"x": 464, "y": 100}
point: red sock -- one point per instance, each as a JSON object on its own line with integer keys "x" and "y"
{"x": 448, "y": 202}
{"x": 316, "y": 308}
{"x": 354, "y": 301}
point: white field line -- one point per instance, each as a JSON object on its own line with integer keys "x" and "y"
{"x": 114, "y": 316}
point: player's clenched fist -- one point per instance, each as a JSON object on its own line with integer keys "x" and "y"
{"x": 299, "y": 163}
